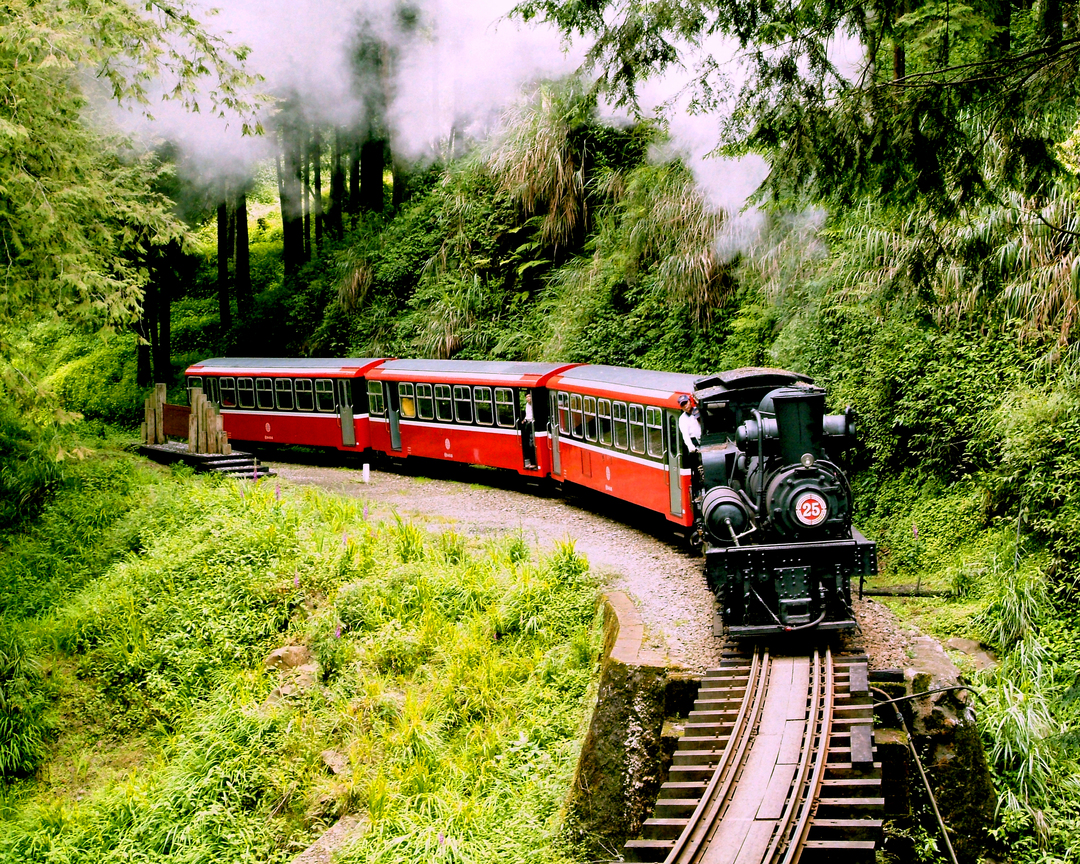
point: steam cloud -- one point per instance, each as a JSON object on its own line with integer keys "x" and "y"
{"x": 451, "y": 73}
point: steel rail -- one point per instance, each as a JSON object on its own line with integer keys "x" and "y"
{"x": 810, "y": 794}
{"x": 701, "y": 825}
{"x": 798, "y": 783}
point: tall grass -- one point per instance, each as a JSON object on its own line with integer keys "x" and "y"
{"x": 452, "y": 678}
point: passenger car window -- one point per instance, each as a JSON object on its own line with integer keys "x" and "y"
{"x": 245, "y": 392}
{"x": 589, "y": 409}
{"x": 406, "y": 400}
{"x": 264, "y": 390}
{"x": 637, "y": 428}
{"x": 564, "y": 413}
{"x": 324, "y": 394}
{"x": 654, "y": 422}
{"x": 504, "y": 406}
{"x": 576, "y": 422}
{"x": 347, "y": 395}
{"x": 462, "y": 404}
{"x": 376, "y": 404}
{"x": 425, "y": 404}
{"x": 485, "y": 413}
{"x": 283, "y": 394}
{"x": 444, "y": 408}
{"x": 305, "y": 398}
{"x": 603, "y": 416}
{"x": 618, "y": 422}
{"x": 228, "y": 392}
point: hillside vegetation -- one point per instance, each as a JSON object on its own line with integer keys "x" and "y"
{"x": 918, "y": 258}
{"x": 139, "y": 721}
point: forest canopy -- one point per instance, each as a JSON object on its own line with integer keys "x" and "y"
{"x": 78, "y": 211}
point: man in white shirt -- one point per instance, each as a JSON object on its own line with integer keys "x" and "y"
{"x": 528, "y": 433}
{"x": 689, "y": 427}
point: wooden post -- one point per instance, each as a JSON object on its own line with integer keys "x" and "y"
{"x": 203, "y": 443}
{"x": 151, "y": 428}
{"x": 160, "y": 395}
{"x": 194, "y": 424}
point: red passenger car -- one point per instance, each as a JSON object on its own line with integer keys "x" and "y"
{"x": 314, "y": 402}
{"x": 616, "y": 430}
{"x": 463, "y": 411}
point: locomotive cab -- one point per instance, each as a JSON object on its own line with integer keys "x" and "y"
{"x": 780, "y": 550}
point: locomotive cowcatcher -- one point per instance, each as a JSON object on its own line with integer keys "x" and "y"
{"x": 780, "y": 549}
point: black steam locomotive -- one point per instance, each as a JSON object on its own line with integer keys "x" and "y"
{"x": 780, "y": 549}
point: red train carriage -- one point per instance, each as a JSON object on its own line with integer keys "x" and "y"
{"x": 616, "y": 430}
{"x": 463, "y": 411}
{"x": 307, "y": 401}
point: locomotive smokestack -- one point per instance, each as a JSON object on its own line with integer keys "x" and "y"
{"x": 799, "y": 416}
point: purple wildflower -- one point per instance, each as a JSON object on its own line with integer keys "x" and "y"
{"x": 296, "y": 580}
{"x": 442, "y": 839}
{"x": 277, "y": 492}
{"x": 365, "y": 512}
{"x": 337, "y": 633}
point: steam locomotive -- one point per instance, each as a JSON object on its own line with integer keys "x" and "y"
{"x": 763, "y": 491}
{"x": 775, "y": 508}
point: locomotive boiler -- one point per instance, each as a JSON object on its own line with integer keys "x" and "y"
{"x": 780, "y": 550}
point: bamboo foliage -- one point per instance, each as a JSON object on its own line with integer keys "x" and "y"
{"x": 450, "y": 318}
{"x": 1017, "y": 257}
{"x": 536, "y": 163}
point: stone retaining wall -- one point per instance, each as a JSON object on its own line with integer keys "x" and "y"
{"x": 622, "y": 759}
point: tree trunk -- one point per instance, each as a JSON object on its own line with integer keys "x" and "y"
{"x": 372, "y": 164}
{"x": 316, "y": 143}
{"x": 1051, "y": 23}
{"x": 1002, "y": 16}
{"x": 163, "y": 372}
{"x": 144, "y": 371}
{"x": 292, "y": 217}
{"x": 337, "y": 187}
{"x": 307, "y": 196}
{"x": 224, "y": 314}
{"x": 401, "y": 184}
{"x": 354, "y": 177}
{"x": 243, "y": 260}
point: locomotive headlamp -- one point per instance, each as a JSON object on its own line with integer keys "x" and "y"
{"x": 807, "y": 460}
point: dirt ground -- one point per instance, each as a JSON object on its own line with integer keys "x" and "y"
{"x": 629, "y": 549}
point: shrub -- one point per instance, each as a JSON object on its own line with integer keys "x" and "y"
{"x": 23, "y": 728}
{"x": 101, "y": 384}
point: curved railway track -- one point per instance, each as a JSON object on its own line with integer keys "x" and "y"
{"x": 776, "y": 765}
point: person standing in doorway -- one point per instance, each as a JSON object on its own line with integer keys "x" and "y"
{"x": 528, "y": 434}
{"x": 689, "y": 426}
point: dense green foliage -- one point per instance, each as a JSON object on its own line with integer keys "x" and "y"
{"x": 919, "y": 260}
{"x": 77, "y": 213}
{"x": 451, "y": 677}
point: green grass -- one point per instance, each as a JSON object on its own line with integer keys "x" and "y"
{"x": 453, "y": 678}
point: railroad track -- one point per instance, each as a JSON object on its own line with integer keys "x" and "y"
{"x": 776, "y": 765}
